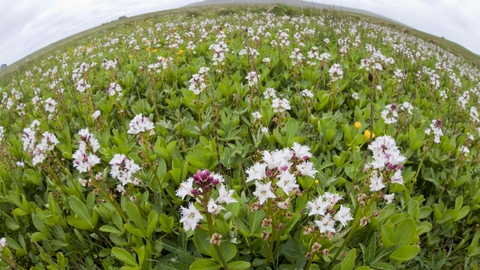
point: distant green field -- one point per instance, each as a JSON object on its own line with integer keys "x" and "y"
{"x": 444, "y": 43}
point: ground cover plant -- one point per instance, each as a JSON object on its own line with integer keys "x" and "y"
{"x": 241, "y": 138}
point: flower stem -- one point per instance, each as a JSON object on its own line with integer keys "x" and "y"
{"x": 355, "y": 227}
{"x": 211, "y": 231}
{"x": 149, "y": 163}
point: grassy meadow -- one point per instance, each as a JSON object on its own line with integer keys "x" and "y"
{"x": 242, "y": 137}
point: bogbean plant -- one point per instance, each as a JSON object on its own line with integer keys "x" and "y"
{"x": 241, "y": 139}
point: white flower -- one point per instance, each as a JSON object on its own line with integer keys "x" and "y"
{"x": 343, "y": 215}
{"x": 257, "y": 116}
{"x": 96, "y": 114}
{"x": 376, "y": 182}
{"x": 213, "y": 207}
{"x": 336, "y": 73}
{"x": 278, "y": 159}
{"x": 318, "y": 206}
{"x": 256, "y": 172}
{"x": 306, "y": 168}
{"x": 269, "y": 93}
{"x": 287, "y": 182}
{"x": 301, "y": 151}
{"x": 225, "y": 196}
{"x": 326, "y": 224}
{"x": 123, "y": 169}
{"x": 83, "y": 162}
{"x": 464, "y": 150}
{"x": 139, "y": 124}
{"x": 389, "y": 198}
{"x": 355, "y": 96}
{"x": 280, "y": 105}
{"x": 263, "y": 191}
{"x": 83, "y": 182}
{"x": 50, "y": 105}
{"x": 120, "y": 188}
{"x": 307, "y": 93}
{"x": 284, "y": 205}
{"x": 3, "y": 242}
{"x": 190, "y": 217}
{"x": 252, "y": 78}
{"x": 185, "y": 188}
{"x": 397, "y": 177}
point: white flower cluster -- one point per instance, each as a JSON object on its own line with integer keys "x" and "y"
{"x": 162, "y": 64}
{"x": 296, "y": 56}
{"x": 204, "y": 181}
{"x": 140, "y": 124}
{"x": 436, "y": 127}
{"x": 307, "y": 93}
{"x": 390, "y": 114}
{"x": 78, "y": 77}
{"x": 2, "y": 133}
{"x": 280, "y": 168}
{"x": 114, "y": 89}
{"x": 336, "y": 73}
{"x": 219, "y": 51}
{"x": 123, "y": 169}
{"x": 197, "y": 82}
{"x": 82, "y": 160}
{"x": 323, "y": 206}
{"x": 252, "y": 78}
{"x": 252, "y": 53}
{"x": 109, "y": 64}
{"x": 280, "y": 105}
{"x": 38, "y": 151}
{"x": 386, "y": 166}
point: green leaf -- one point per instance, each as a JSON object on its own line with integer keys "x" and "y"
{"x": 228, "y": 250}
{"x": 405, "y": 253}
{"x": 388, "y": 235}
{"x": 38, "y": 236}
{"x": 201, "y": 240}
{"x": 135, "y": 216}
{"x": 152, "y": 222}
{"x": 238, "y": 265}
{"x": 124, "y": 256}
{"x": 80, "y": 209}
{"x": 166, "y": 223}
{"x": 349, "y": 261}
{"x": 12, "y": 224}
{"x": 405, "y": 232}
{"x": 80, "y": 224}
{"x": 110, "y": 229}
{"x": 203, "y": 264}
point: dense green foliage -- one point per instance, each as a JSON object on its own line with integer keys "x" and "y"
{"x": 100, "y": 139}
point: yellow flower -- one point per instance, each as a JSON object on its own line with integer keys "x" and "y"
{"x": 180, "y": 51}
{"x": 316, "y": 181}
{"x": 148, "y": 49}
{"x": 357, "y": 125}
{"x": 367, "y": 134}
{"x": 130, "y": 56}
{"x": 154, "y": 50}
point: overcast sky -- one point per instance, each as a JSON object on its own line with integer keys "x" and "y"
{"x": 29, "y": 25}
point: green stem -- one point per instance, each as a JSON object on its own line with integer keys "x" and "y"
{"x": 211, "y": 231}
{"x": 355, "y": 227}
{"x": 109, "y": 197}
{"x": 274, "y": 233}
{"x": 149, "y": 163}
{"x": 421, "y": 163}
